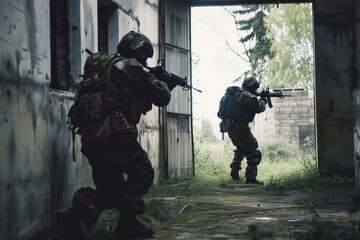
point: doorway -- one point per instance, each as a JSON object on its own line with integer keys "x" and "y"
{"x": 220, "y": 58}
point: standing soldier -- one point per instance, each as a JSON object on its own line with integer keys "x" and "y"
{"x": 241, "y": 106}
{"x": 115, "y": 91}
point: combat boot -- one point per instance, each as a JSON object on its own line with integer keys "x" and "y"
{"x": 85, "y": 202}
{"x": 235, "y": 174}
{"x": 253, "y": 181}
{"x": 128, "y": 227}
{"x": 235, "y": 168}
{"x": 68, "y": 221}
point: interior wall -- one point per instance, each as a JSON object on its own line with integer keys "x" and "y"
{"x": 335, "y": 41}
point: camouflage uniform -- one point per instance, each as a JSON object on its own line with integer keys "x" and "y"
{"x": 112, "y": 147}
{"x": 247, "y": 106}
{"x": 121, "y": 170}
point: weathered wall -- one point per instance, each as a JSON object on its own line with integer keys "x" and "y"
{"x": 335, "y": 44}
{"x": 37, "y": 172}
{"x": 290, "y": 120}
{"x": 356, "y": 93}
{"x": 357, "y": 136}
{"x": 35, "y": 161}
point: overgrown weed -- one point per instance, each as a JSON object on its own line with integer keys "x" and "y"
{"x": 281, "y": 170}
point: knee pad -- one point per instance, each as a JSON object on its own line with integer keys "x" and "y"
{"x": 142, "y": 172}
{"x": 239, "y": 155}
{"x": 254, "y": 158}
{"x": 85, "y": 201}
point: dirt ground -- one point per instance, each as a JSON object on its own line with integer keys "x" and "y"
{"x": 240, "y": 211}
{"x": 243, "y": 212}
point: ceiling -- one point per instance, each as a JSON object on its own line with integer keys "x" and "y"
{"x": 240, "y": 2}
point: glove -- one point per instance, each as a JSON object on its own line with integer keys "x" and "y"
{"x": 263, "y": 99}
{"x": 156, "y": 70}
{"x": 171, "y": 85}
{"x": 160, "y": 73}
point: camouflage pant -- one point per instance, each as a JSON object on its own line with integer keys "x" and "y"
{"x": 121, "y": 170}
{"x": 246, "y": 146}
{"x": 122, "y": 175}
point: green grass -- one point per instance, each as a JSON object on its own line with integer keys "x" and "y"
{"x": 282, "y": 169}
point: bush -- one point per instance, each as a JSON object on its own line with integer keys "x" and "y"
{"x": 276, "y": 151}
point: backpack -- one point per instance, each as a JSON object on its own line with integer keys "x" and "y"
{"x": 228, "y": 104}
{"x": 90, "y": 102}
{"x": 89, "y": 99}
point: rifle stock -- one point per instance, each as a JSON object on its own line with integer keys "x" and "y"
{"x": 268, "y": 95}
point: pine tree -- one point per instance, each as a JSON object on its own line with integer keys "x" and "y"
{"x": 250, "y": 23}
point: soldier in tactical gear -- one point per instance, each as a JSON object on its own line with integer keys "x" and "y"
{"x": 246, "y": 106}
{"x": 121, "y": 170}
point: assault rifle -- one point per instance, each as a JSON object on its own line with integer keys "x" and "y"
{"x": 168, "y": 77}
{"x": 164, "y": 76}
{"x": 268, "y": 95}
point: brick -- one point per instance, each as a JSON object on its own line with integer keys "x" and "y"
{"x": 286, "y": 110}
{"x": 294, "y": 117}
{"x": 294, "y": 128}
{"x": 301, "y": 110}
{"x": 282, "y": 117}
{"x": 305, "y": 116}
{"x": 287, "y": 122}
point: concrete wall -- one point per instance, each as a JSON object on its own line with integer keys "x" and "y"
{"x": 337, "y": 76}
{"x": 290, "y": 120}
{"x": 356, "y": 95}
{"x": 37, "y": 173}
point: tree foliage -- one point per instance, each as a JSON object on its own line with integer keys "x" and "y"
{"x": 278, "y": 42}
{"x": 250, "y": 22}
{"x": 290, "y": 27}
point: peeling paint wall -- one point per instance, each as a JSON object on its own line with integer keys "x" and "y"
{"x": 37, "y": 173}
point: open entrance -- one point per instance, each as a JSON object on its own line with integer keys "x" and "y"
{"x": 273, "y": 43}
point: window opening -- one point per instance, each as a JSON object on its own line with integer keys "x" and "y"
{"x": 106, "y": 24}
{"x": 60, "y": 65}
{"x": 103, "y": 28}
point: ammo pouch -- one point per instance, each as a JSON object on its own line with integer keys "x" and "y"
{"x": 224, "y": 125}
{"x": 115, "y": 126}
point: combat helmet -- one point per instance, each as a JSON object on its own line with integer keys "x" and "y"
{"x": 250, "y": 84}
{"x": 133, "y": 43}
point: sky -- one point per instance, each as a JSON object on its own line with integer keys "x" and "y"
{"x": 218, "y": 65}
